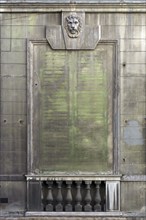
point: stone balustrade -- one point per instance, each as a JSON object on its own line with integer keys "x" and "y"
{"x": 73, "y": 196}
{"x": 73, "y": 193}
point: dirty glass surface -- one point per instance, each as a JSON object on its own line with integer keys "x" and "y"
{"x": 75, "y": 109}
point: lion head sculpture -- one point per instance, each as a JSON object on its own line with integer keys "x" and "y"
{"x": 73, "y": 25}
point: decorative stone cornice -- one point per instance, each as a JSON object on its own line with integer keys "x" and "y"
{"x": 68, "y": 5}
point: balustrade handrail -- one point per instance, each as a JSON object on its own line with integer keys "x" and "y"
{"x": 75, "y": 177}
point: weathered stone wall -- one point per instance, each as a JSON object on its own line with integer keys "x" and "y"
{"x": 129, "y": 29}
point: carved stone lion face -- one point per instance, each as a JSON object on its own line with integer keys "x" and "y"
{"x": 73, "y": 26}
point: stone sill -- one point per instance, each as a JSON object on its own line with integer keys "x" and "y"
{"x": 65, "y": 177}
{"x": 85, "y": 214}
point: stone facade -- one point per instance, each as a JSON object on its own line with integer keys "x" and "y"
{"x": 123, "y": 25}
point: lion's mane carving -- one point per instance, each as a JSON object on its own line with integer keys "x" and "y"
{"x": 73, "y": 25}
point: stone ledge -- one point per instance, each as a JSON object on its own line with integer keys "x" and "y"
{"x": 81, "y": 215}
{"x": 72, "y": 218}
{"x": 62, "y": 177}
{"x": 68, "y": 5}
{"x": 121, "y": 2}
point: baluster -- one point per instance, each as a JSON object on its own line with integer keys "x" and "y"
{"x": 78, "y": 206}
{"x": 68, "y": 207}
{"x": 97, "y": 206}
{"x": 59, "y": 206}
{"x": 49, "y": 206}
{"x": 88, "y": 207}
{"x": 43, "y": 197}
